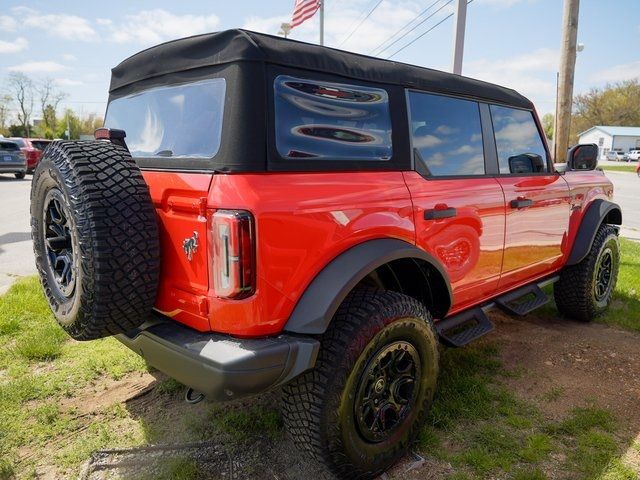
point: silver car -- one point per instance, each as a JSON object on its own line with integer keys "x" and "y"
{"x": 12, "y": 160}
{"x": 616, "y": 156}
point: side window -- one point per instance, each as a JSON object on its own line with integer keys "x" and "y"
{"x": 520, "y": 148}
{"x": 446, "y": 134}
{"x": 331, "y": 121}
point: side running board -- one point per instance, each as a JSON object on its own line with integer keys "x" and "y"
{"x": 522, "y": 301}
{"x": 464, "y": 328}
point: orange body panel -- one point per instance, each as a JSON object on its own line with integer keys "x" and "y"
{"x": 305, "y": 220}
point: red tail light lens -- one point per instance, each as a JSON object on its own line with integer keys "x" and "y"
{"x": 233, "y": 253}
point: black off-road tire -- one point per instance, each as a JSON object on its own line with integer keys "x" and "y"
{"x": 575, "y": 293}
{"x": 20, "y": 175}
{"x": 91, "y": 209}
{"x": 319, "y": 407}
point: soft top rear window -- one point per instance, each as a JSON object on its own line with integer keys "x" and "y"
{"x": 173, "y": 121}
{"x": 319, "y": 120}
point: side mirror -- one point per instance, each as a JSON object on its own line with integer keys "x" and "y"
{"x": 583, "y": 157}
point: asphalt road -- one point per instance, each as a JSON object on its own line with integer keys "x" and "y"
{"x": 16, "y": 254}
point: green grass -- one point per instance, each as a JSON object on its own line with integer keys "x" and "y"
{"x": 489, "y": 433}
{"x": 620, "y": 168}
{"x": 39, "y": 367}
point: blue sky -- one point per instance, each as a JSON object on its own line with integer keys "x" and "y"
{"x": 510, "y": 42}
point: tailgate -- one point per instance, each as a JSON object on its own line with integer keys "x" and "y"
{"x": 180, "y": 201}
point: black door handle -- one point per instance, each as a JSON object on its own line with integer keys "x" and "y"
{"x": 521, "y": 203}
{"x": 438, "y": 213}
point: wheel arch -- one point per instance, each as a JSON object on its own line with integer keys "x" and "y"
{"x": 388, "y": 263}
{"x": 598, "y": 212}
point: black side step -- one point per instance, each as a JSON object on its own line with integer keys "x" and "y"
{"x": 464, "y": 328}
{"x": 522, "y": 301}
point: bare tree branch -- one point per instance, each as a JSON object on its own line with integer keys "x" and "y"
{"x": 21, "y": 88}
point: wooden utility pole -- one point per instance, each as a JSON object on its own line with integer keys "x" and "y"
{"x": 458, "y": 35}
{"x": 564, "y": 102}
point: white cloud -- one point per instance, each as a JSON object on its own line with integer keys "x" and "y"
{"x": 67, "y": 82}
{"x": 37, "y": 67}
{"x": 426, "y": 141}
{"x": 625, "y": 71}
{"x": 386, "y": 20}
{"x": 68, "y": 57}
{"x": 18, "y": 45}
{"x": 154, "y": 26}
{"x": 531, "y": 73}
{"x": 69, "y": 27}
{"x": 8, "y": 24}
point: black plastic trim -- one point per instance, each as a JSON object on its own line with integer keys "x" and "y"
{"x": 594, "y": 217}
{"x": 437, "y": 214}
{"x": 217, "y": 365}
{"x": 315, "y": 309}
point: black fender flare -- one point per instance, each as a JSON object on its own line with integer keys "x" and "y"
{"x": 598, "y": 212}
{"x": 320, "y": 301}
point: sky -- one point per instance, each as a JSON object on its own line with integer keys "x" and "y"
{"x": 510, "y": 42}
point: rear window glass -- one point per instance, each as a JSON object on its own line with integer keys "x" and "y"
{"x": 331, "y": 121}
{"x": 9, "y": 146}
{"x": 19, "y": 141}
{"x": 446, "y": 134}
{"x": 176, "y": 121}
{"x": 518, "y": 141}
{"x": 40, "y": 144}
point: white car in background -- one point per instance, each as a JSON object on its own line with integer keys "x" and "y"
{"x": 616, "y": 156}
{"x": 633, "y": 155}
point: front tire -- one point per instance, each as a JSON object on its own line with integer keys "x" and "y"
{"x": 584, "y": 291}
{"x": 20, "y": 175}
{"x": 363, "y": 404}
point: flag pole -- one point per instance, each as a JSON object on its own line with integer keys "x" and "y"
{"x": 321, "y": 22}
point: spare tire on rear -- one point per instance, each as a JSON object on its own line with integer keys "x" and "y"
{"x": 95, "y": 238}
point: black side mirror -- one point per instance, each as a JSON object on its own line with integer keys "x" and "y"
{"x": 583, "y": 157}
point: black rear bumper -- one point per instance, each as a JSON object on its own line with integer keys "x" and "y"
{"x": 220, "y": 366}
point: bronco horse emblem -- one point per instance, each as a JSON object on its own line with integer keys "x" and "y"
{"x": 190, "y": 245}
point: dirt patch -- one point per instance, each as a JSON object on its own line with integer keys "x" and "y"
{"x": 559, "y": 365}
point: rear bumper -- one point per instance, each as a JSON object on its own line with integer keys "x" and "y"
{"x": 13, "y": 167}
{"x": 220, "y": 366}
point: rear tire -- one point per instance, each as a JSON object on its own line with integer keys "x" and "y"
{"x": 363, "y": 404}
{"x": 584, "y": 291}
{"x": 95, "y": 238}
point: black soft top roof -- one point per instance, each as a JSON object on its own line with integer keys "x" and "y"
{"x": 245, "y": 46}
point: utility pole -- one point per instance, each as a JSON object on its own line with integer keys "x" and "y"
{"x": 458, "y": 35}
{"x": 564, "y": 102}
{"x": 321, "y": 22}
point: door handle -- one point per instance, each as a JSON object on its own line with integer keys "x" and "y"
{"x": 521, "y": 203}
{"x": 438, "y": 213}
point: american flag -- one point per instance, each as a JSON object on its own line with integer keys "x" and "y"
{"x": 304, "y": 10}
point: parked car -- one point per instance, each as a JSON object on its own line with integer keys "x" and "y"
{"x": 617, "y": 156}
{"x": 638, "y": 169}
{"x": 633, "y": 155}
{"x": 32, "y": 148}
{"x": 12, "y": 160}
{"x": 302, "y": 217}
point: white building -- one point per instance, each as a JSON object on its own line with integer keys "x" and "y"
{"x": 621, "y": 139}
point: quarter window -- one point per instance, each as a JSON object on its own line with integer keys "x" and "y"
{"x": 318, "y": 120}
{"x": 520, "y": 148}
{"x": 446, "y": 134}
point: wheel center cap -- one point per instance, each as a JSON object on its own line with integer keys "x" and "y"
{"x": 379, "y": 385}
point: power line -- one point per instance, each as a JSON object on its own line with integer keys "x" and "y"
{"x": 360, "y": 24}
{"x": 423, "y": 34}
{"x": 373, "y": 52}
{"x": 414, "y": 27}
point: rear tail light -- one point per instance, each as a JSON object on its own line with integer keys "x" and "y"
{"x": 233, "y": 260}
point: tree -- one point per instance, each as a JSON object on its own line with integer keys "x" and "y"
{"x": 49, "y": 97}
{"x": 21, "y": 88}
{"x": 5, "y": 110}
{"x": 548, "y": 121}
{"x": 90, "y": 123}
{"x": 615, "y": 104}
{"x": 70, "y": 120}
